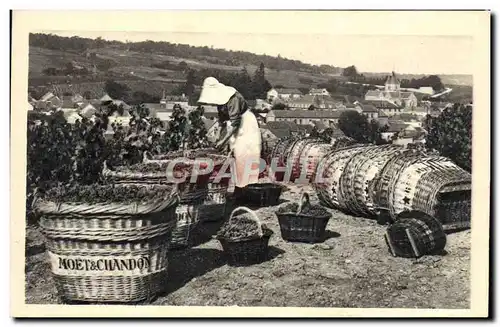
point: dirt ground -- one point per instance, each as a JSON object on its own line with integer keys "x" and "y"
{"x": 351, "y": 268}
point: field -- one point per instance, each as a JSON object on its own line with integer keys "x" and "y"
{"x": 351, "y": 268}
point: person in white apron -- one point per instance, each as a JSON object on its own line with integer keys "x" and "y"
{"x": 240, "y": 130}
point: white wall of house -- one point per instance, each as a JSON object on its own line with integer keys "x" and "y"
{"x": 403, "y": 141}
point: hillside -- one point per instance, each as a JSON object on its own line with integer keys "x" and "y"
{"x": 80, "y": 64}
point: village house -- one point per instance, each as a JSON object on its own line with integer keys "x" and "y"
{"x": 105, "y": 98}
{"x": 368, "y": 110}
{"x": 48, "y": 101}
{"x": 87, "y": 110}
{"x": 392, "y": 92}
{"x": 410, "y": 135}
{"x": 120, "y": 119}
{"x": 261, "y": 105}
{"x": 300, "y": 103}
{"x": 383, "y": 119}
{"x": 319, "y": 92}
{"x": 284, "y": 93}
{"x": 408, "y": 118}
{"x": 385, "y": 106}
{"x": 394, "y": 127}
{"x": 304, "y": 117}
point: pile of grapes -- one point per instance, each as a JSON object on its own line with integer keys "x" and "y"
{"x": 309, "y": 210}
{"x": 151, "y": 167}
{"x": 105, "y": 193}
{"x": 241, "y": 227}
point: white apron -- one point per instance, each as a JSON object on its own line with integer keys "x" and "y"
{"x": 246, "y": 147}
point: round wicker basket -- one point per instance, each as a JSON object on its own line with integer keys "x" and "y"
{"x": 348, "y": 179}
{"x": 278, "y": 156}
{"x": 330, "y": 170}
{"x": 246, "y": 250}
{"x": 366, "y": 177}
{"x": 406, "y": 186}
{"x": 109, "y": 251}
{"x": 299, "y": 226}
{"x": 415, "y": 234}
{"x": 389, "y": 174}
{"x": 313, "y": 153}
{"x": 297, "y": 155}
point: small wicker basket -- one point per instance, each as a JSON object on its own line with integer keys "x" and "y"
{"x": 262, "y": 194}
{"x": 214, "y": 206}
{"x": 109, "y": 251}
{"x": 246, "y": 251}
{"x": 296, "y": 226}
{"x": 415, "y": 234}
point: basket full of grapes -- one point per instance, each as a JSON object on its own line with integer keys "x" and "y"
{"x": 303, "y": 222}
{"x": 108, "y": 243}
{"x": 244, "y": 238}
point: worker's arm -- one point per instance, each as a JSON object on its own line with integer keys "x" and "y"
{"x": 235, "y": 107}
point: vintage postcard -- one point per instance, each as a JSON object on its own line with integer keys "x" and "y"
{"x": 323, "y": 164}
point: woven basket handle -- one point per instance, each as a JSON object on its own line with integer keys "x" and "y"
{"x": 252, "y": 213}
{"x": 304, "y": 201}
{"x": 145, "y": 157}
{"x": 105, "y": 168}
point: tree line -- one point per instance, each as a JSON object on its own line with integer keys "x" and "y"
{"x": 433, "y": 81}
{"x": 250, "y": 87}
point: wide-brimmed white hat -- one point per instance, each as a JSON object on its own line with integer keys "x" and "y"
{"x": 214, "y": 92}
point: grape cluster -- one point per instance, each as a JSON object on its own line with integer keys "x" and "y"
{"x": 309, "y": 210}
{"x": 242, "y": 226}
{"x": 105, "y": 193}
{"x": 152, "y": 167}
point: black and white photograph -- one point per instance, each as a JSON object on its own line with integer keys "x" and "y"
{"x": 192, "y": 167}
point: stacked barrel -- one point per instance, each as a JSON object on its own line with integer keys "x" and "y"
{"x": 363, "y": 179}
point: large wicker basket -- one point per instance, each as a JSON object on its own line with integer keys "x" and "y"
{"x": 214, "y": 205}
{"x": 415, "y": 234}
{"x": 278, "y": 158}
{"x": 295, "y": 156}
{"x": 358, "y": 176}
{"x": 313, "y": 153}
{"x": 109, "y": 251}
{"x": 297, "y": 226}
{"x": 247, "y": 251}
{"x": 192, "y": 196}
{"x": 330, "y": 170}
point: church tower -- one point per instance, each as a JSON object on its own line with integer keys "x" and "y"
{"x": 392, "y": 83}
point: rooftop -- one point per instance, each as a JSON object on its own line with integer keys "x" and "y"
{"x": 392, "y": 79}
{"x": 287, "y": 91}
{"x": 317, "y": 114}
